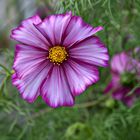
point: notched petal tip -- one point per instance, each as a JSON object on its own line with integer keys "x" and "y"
{"x": 69, "y": 12}
{"x": 31, "y": 20}
{"x": 57, "y": 105}
{"x": 97, "y": 29}
{"x": 36, "y": 19}
{"x": 18, "y": 83}
{"x": 29, "y": 100}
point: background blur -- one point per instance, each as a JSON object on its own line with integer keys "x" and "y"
{"x": 95, "y": 116}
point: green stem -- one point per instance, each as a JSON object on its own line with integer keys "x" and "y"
{"x": 2, "y": 66}
{"x": 4, "y": 83}
{"x": 132, "y": 91}
{"x": 91, "y": 103}
{"x": 81, "y": 105}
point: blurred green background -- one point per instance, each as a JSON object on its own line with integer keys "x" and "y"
{"x": 95, "y": 116}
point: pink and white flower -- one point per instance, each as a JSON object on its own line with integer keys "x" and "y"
{"x": 57, "y": 59}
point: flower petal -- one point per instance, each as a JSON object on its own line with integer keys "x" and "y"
{"x": 55, "y": 90}
{"x": 80, "y": 75}
{"x": 27, "y": 59}
{"x": 78, "y": 30}
{"x": 53, "y": 27}
{"x": 91, "y": 51}
{"x": 114, "y": 84}
{"x": 129, "y": 100}
{"x": 31, "y": 68}
{"x": 120, "y": 93}
{"x": 109, "y": 87}
{"x": 28, "y": 34}
{"x": 137, "y": 92}
{"x": 120, "y": 63}
{"x": 29, "y": 86}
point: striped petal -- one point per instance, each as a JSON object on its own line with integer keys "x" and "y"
{"x": 78, "y": 30}
{"x": 80, "y": 76}
{"x": 27, "y": 59}
{"x": 55, "y": 90}
{"x": 28, "y": 34}
{"x": 91, "y": 51}
{"x": 54, "y": 26}
{"x": 31, "y": 68}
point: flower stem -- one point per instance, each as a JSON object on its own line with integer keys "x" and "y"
{"x": 8, "y": 72}
{"x": 132, "y": 91}
{"x": 81, "y": 105}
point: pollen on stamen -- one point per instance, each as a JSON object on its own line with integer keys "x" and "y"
{"x": 57, "y": 55}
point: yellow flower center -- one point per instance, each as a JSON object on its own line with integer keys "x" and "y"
{"x": 57, "y": 54}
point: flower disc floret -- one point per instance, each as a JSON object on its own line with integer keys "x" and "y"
{"x": 57, "y": 54}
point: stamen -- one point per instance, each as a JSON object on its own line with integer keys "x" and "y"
{"x": 57, "y": 54}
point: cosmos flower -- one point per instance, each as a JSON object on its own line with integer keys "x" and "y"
{"x": 57, "y": 58}
{"x": 125, "y": 76}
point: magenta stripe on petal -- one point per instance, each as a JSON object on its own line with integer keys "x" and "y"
{"x": 24, "y": 92}
{"x": 77, "y": 31}
{"x": 80, "y": 76}
{"x": 27, "y": 59}
{"x": 97, "y": 29}
{"x": 28, "y": 34}
{"x": 55, "y": 90}
{"x": 31, "y": 68}
{"x": 91, "y": 51}
{"x": 29, "y": 86}
{"x": 54, "y": 26}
